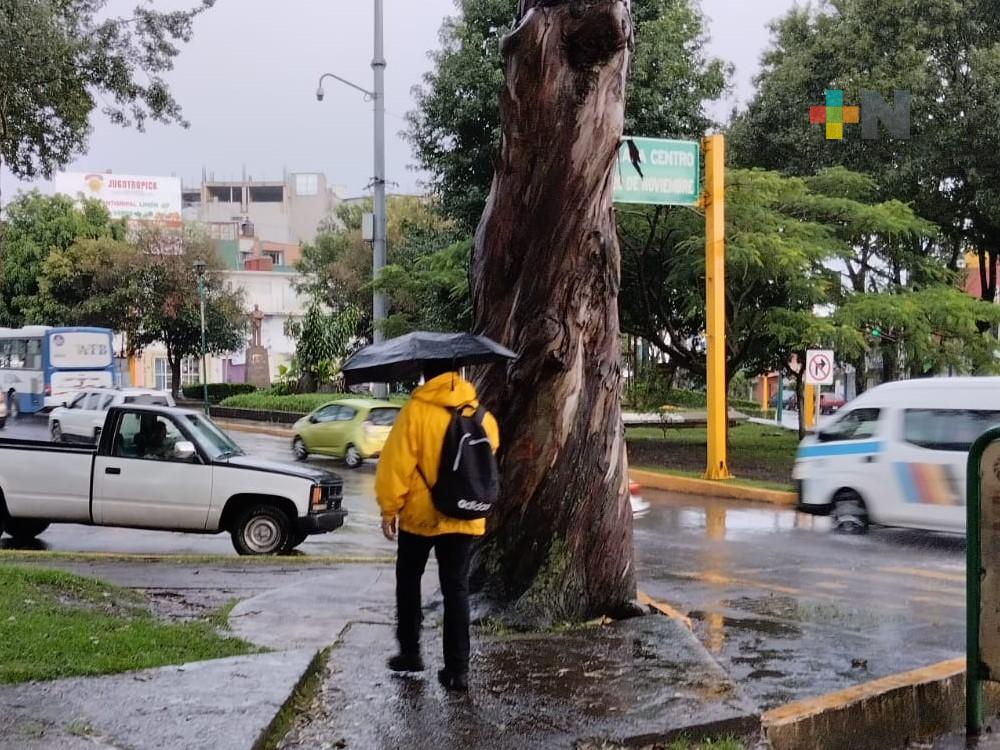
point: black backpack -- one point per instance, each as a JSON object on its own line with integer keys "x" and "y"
{"x": 468, "y": 482}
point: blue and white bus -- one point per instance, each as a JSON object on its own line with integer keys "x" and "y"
{"x": 42, "y": 366}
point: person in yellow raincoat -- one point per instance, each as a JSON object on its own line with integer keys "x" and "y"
{"x": 406, "y": 470}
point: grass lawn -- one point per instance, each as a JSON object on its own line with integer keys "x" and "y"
{"x": 759, "y": 455}
{"x": 55, "y": 624}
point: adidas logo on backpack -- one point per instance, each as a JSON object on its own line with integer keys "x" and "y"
{"x": 468, "y": 482}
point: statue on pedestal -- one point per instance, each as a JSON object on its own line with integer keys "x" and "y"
{"x": 258, "y": 370}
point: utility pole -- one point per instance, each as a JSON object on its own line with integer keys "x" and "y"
{"x": 377, "y": 96}
{"x": 379, "y": 239}
{"x": 378, "y": 67}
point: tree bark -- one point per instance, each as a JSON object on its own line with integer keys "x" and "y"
{"x": 174, "y": 362}
{"x": 546, "y": 275}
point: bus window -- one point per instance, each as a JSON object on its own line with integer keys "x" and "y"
{"x": 33, "y": 358}
{"x": 17, "y": 351}
{"x": 4, "y": 354}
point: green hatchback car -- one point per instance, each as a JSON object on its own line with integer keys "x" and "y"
{"x": 351, "y": 429}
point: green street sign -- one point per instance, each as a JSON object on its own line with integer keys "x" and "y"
{"x": 671, "y": 173}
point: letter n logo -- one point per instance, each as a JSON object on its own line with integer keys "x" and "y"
{"x": 895, "y": 119}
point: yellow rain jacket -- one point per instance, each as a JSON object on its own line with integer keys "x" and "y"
{"x": 416, "y": 440}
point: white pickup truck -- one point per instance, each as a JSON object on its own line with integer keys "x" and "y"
{"x": 158, "y": 467}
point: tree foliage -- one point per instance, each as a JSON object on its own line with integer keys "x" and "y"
{"x": 783, "y": 235}
{"x": 455, "y": 128}
{"x": 35, "y": 226}
{"x": 166, "y": 304}
{"x": 61, "y": 60}
{"x": 337, "y": 266}
{"x": 947, "y": 55}
{"x": 322, "y": 342}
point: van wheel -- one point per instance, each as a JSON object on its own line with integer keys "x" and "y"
{"x": 850, "y": 515}
{"x": 352, "y": 457}
{"x": 24, "y": 529}
{"x": 262, "y": 530}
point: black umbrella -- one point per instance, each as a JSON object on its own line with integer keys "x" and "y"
{"x": 403, "y": 358}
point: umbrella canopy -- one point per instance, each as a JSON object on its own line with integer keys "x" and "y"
{"x": 403, "y": 358}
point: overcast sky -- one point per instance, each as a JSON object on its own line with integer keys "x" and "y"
{"x": 247, "y": 84}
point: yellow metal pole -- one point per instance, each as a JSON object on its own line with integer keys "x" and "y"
{"x": 810, "y": 406}
{"x": 765, "y": 396}
{"x": 715, "y": 304}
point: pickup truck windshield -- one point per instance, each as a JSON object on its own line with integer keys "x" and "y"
{"x": 214, "y": 441}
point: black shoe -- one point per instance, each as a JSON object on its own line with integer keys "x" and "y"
{"x": 406, "y": 663}
{"x": 458, "y": 681}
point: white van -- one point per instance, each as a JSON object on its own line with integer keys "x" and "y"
{"x": 896, "y": 455}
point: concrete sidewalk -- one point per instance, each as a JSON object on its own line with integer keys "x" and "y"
{"x": 644, "y": 678}
{"x": 223, "y": 704}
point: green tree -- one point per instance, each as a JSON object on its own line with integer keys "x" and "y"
{"x": 455, "y": 128}
{"x": 947, "y": 55}
{"x": 337, "y": 266}
{"x": 88, "y": 283}
{"x": 782, "y": 237}
{"x": 322, "y": 342}
{"x": 35, "y": 226}
{"x": 61, "y": 60}
{"x": 166, "y": 307}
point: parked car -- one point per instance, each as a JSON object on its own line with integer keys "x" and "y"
{"x": 896, "y": 455}
{"x": 83, "y": 419}
{"x": 157, "y": 467}
{"x": 830, "y": 404}
{"x": 352, "y": 429}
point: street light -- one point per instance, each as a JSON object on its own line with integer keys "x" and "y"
{"x": 377, "y": 95}
{"x": 199, "y": 268}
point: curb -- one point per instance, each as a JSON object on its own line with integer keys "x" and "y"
{"x": 884, "y": 713}
{"x": 255, "y": 427}
{"x": 279, "y": 726}
{"x": 691, "y": 486}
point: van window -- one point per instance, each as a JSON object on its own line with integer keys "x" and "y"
{"x": 857, "y": 424}
{"x": 946, "y": 429}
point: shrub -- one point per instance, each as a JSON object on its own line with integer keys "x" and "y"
{"x": 299, "y": 403}
{"x": 217, "y": 391}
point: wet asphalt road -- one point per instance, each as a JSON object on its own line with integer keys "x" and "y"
{"x": 788, "y": 608}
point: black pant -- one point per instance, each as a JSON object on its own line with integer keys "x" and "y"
{"x": 453, "y": 552}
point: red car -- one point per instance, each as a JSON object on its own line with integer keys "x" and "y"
{"x": 830, "y": 404}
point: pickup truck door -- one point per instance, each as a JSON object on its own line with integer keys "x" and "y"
{"x": 138, "y": 481}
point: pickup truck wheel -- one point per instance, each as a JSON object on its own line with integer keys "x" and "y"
{"x": 262, "y": 530}
{"x": 57, "y": 435}
{"x": 352, "y": 457}
{"x": 24, "y": 529}
{"x": 299, "y": 449}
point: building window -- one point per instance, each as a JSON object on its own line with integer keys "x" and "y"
{"x": 277, "y": 258}
{"x": 190, "y": 373}
{"x": 306, "y": 184}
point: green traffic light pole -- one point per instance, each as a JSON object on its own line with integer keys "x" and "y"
{"x": 199, "y": 268}
{"x": 976, "y": 672}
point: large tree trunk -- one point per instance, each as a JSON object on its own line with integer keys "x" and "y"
{"x": 546, "y": 275}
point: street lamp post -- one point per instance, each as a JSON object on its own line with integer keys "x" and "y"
{"x": 377, "y": 96}
{"x": 199, "y": 268}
